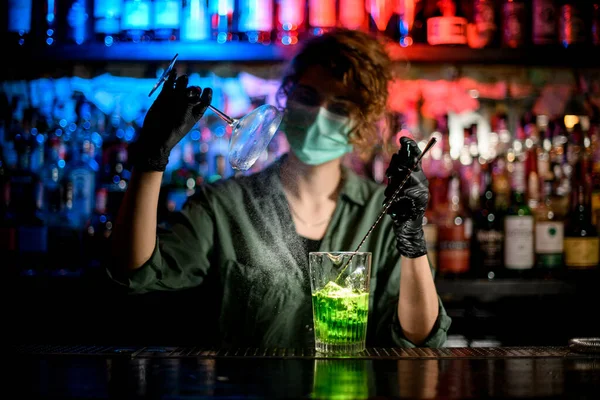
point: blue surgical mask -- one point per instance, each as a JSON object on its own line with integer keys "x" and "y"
{"x": 316, "y": 135}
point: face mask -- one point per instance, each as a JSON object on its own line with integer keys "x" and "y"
{"x": 315, "y": 134}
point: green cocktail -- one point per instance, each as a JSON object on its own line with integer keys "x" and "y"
{"x": 340, "y": 300}
{"x": 340, "y": 318}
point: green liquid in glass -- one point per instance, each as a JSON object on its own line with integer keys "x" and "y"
{"x": 340, "y": 319}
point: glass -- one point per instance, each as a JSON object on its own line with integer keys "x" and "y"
{"x": 339, "y": 283}
{"x": 251, "y": 134}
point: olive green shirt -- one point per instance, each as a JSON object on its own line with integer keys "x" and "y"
{"x": 237, "y": 237}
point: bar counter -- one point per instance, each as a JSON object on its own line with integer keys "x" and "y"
{"x": 195, "y": 372}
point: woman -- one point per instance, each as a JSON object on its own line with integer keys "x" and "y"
{"x": 249, "y": 237}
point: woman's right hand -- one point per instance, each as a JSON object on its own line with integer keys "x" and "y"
{"x": 172, "y": 115}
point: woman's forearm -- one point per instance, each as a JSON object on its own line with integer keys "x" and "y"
{"x": 418, "y": 305}
{"x": 134, "y": 234}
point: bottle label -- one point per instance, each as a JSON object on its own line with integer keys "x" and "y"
{"x": 454, "y": 250}
{"x": 550, "y": 260}
{"x": 582, "y": 252}
{"x": 518, "y": 246}
{"x": 489, "y": 243}
{"x": 136, "y": 15}
{"x": 446, "y": 30}
{"x": 549, "y": 237}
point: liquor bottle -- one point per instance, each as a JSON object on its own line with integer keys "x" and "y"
{"x": 454, "y": 234}
{"x": 353, "y": 15}
{"x": 44, "y": 21}
{"x": 256, "y": 20}
{"x": 481, "y": 31}
{"x": 488, "y": 235}
{"x": 52, "y": 175}
{"x": 8, "y": 230}
{"x": 448, "y": 26}
{"x": 19, "y": 21}
{"x": 322, "y": 16}
{"x": 107, "y": 20}
{"x": 412, "y": 22}
{"x": 581, "y": 236}
{"x": 82, "y": 175}
{"x": 430, "y": 230}
{"x": 222, "y": 20}
{"x": 595, "y": 143}
{"x": 166, "y": 19}
{"x": 137, "y": 20}
{"x": 97, "y": 231}
{"x": 549, "y": 233}
{"x": 26, "y": 201}
{"x": 195, "y": 21}
{"x": 518, "y": 224}
{"x": 572, "y": 27}
{"x": 545, "y": 22}
{"x": 291, "y": 21}
{"x": 595, "y": 25}
{"x": 75, "y": 16}
{"x": 514, "y": 23}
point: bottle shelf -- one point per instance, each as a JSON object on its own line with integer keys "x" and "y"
{"x": 253, "y": 52}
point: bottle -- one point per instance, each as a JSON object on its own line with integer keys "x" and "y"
{"x": 166, "y": 19}
{"x": 97, "y": 231}
{"x": 107, "y": 20}
{"x": 291, "y": 21}
{"x": 353, "y": 15}
{"x": 572, "y": 29}
{"x": 8, "y": 231}
{"x": 481, "y": 31}
{"x": 195, "y": 21}
{"x": 137, "y": 20}
{"x": 545, "y": 22}
{"x": 514, "y": 23}
{"x": 256, "y": 20}
{"x": 19, "y": 21}
{"x": 430, "y": 230}
{"x": 26, "y": 202}
{"x": 322, "y": 16}
{"x": 454, "y": 234}
{"x": 82, "y": 176}
{"x": 595, "y": 30}
{"x": 581, "y": 236}
{"x": 76, "y": 19}
{"x": 518, "y": 224}
{"x": 549, "y": 233}
{"x": 488, "y": 235}
{"x": 222, "y": 20}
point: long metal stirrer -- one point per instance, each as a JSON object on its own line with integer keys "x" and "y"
{"x": 429, "y": 145}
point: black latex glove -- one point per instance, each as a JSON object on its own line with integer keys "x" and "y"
{"x": 408, "y": 209}
{"x": 175, "y": 111}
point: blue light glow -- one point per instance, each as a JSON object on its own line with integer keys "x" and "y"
{"x": 61, "y": 163}
{"x": 120, "y": 133}
{"x": 108, "y": 41}
{"x": 63, "y": 123}
{"x": 103, "y": 218}
{"x": 116, "y": 179}
{"x": 49, "y": 41}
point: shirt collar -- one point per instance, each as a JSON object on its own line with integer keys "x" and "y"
{"x": 352, "y": 189}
